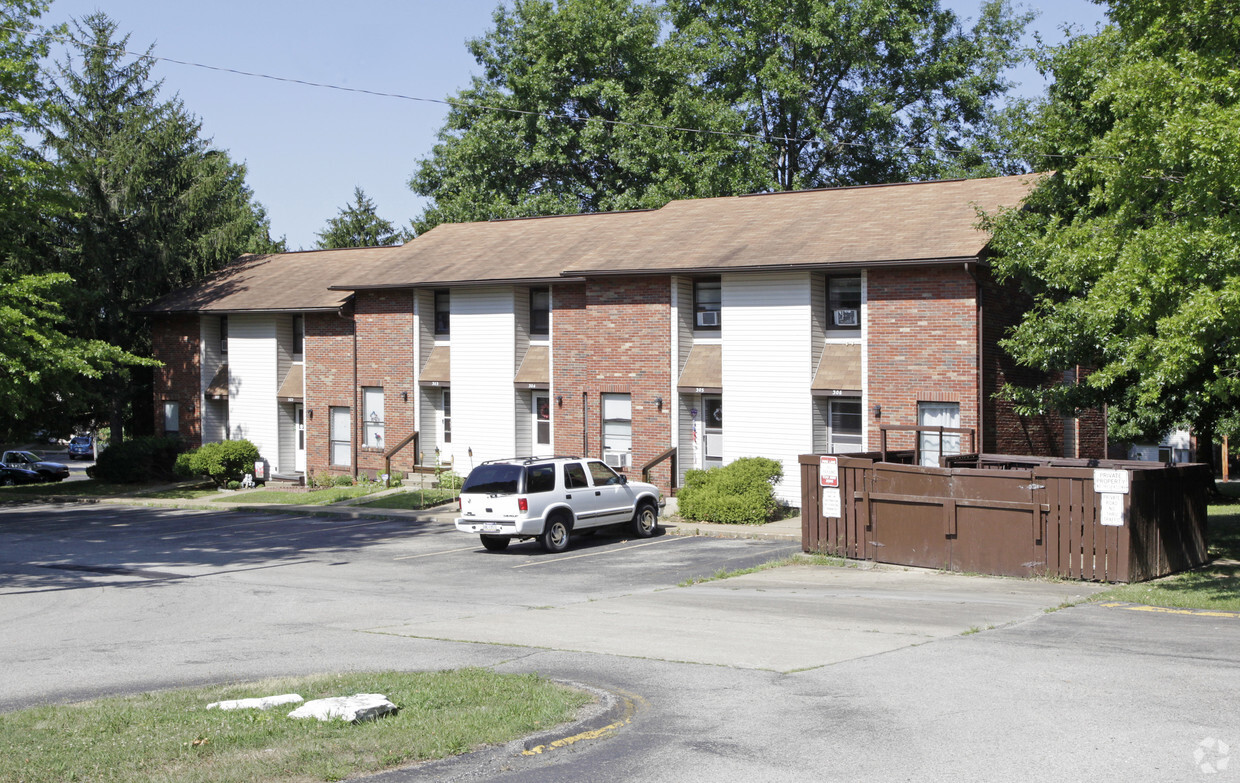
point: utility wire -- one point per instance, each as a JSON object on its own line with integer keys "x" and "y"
{"x": 527, "y": 112}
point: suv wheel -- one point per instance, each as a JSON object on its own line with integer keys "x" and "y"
{"x": 645, "y": 521}
{"x": 554, "y": 537}
{"x": 495, "y": 543}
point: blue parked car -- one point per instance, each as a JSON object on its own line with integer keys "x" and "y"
{"x": 11, "y": 474}
{"x": 25, "y": 460}
{"x": 81, "y": 447}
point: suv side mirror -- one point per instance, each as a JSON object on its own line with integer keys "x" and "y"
{"x": 624, "y": 479}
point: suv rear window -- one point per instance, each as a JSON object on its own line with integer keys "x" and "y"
{"x": 494, "y": 480}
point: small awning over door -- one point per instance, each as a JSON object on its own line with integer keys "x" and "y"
{"x": 839, "y": 371}
{"x": 703, "y": 371}
{"x": 293, "y": 389}
{"x": 438, "y": 369}
{"x": 218, "y": 388}
{"x": 535, "y": 371}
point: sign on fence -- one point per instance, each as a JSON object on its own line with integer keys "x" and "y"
{"x": 831, "y": 503}
{"x": 829, "y": 472}
{"x": 1111, "y": 481}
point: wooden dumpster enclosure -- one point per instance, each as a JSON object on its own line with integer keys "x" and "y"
{"x": 1105, "y": 521}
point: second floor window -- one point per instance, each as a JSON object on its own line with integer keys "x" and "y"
{"x": 441, "y": 313}
{"x": 707, "y": 303}
{"x": 844, "y": 302}
{"x": 223, "y": 334}
{"x": 540, "y": 312}
{"x": 299, "y": 338}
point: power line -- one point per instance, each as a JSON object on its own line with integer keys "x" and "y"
{"x": 530, "y": 113}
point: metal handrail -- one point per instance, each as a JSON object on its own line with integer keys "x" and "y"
{"x": 670, "y": 453}
{"x": 387, "y": 456}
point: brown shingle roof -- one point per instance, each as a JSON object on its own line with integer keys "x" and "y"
{"x": 278, "y": 281}
{"x": 839, "y": 369}
{"x": 844, "y": 226}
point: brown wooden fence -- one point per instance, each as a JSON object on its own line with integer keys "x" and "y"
{"x": 1015, "y": 516}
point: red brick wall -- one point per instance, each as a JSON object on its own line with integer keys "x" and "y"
{"x": 328, "y": 352}
{"x": 175, "y": 341}
{"x": 384, "y": 323}
{"x": 1007, "y": 432}
{"x": 613, "y": 335}
{"x": 922, "y": 347}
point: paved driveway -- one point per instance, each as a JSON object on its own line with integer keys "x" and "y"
{"x": 790, "y": 674}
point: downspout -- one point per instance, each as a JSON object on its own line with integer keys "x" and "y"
{"x": 585, "y": 430}
{"x": 981, "y": 361}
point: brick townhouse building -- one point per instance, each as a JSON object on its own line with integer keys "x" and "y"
{"x": 813, "y": 319}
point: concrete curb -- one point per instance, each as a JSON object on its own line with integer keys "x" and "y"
{"x": 610, "y": 712}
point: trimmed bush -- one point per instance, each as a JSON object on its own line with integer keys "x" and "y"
{"x": 139, "y": 459}
{"x": 741, "y": 492}
{"x": 223, "y": 462}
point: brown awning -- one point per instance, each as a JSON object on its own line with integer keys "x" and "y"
{"x": 218, "y": 388}
{"x": 438, "y": 369}
{"x": 839, "y": 370}
{"x": 294, "y": 387}
{"x": 535, "y": 371}
{"x": 704, "y": 370}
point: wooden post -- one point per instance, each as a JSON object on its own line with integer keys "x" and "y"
{"x": 1225, "y": 465}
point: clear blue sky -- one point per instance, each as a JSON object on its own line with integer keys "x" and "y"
{"x": 306, "y": 148}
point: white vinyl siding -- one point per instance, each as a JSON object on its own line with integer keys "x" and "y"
{"x": 767, "y": 348}
{"x": 214, "y": 412}
{"x": 483, "y": 366}
{"x": 253, "y": 382}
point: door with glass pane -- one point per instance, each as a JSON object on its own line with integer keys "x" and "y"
{"x": 712, "y": 426}
{"x": 542, "y": 424}
{"x": 299, "y": 437}
{"x": 938, "y": 414}
{"x": 844, "y": 426}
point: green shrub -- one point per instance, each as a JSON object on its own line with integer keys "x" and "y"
{"x": 447, "y": 479}
{"x": 319, "y": 480}
{"x": 741, "y": 492}
{"x": 342, "y": 481}
{"x": 140, "y": 459}
{"x": 225, "y": 461}
{"x": 234, "y": 485}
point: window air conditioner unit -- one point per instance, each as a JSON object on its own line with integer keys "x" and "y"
{"x": 616, "y": 459}
{"x": 708, "y": 318}
{"x": 845, "y": 317}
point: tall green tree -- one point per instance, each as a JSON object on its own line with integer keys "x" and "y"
{"x": 858, "y": 91}
{"x": 358, "y": 225}
{"x": 1132, "y": 250}
{"x": 566, "y": 74}
{"x": 154, "y": 205}
{"x": 43, "y": 368}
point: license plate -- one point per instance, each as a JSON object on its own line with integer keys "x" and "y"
{"x": 490, "y": 527}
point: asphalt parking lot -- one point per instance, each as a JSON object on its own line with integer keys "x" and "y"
{"x": 788, "y": 674}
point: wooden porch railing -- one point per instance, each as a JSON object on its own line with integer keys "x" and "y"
{"x": 669, "y": 454}
{"x": 941, "y": 431}
{"x": 387, "y": 456}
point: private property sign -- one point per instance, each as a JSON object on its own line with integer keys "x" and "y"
{"x": 1111, "y": 486}
{"x": 829, "y": 471}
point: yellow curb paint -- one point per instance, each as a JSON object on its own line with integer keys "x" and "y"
{"x": 630, "y": 708}
{"x": 1165, "y": 610}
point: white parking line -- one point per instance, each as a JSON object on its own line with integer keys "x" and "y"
{"x": 441, "y": 552}
{"x": 663, "y": 540}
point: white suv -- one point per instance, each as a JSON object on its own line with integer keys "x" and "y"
{"x": 550, "y": 498}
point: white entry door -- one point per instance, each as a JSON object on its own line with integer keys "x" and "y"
{"x": 712, "y": 424}
{"x": 299, "y": 436}
{"x": 938, "y": 414}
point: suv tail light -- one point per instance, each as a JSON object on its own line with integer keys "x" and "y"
{"x": 523, "y": 504}
{"x": 458, "y": 502}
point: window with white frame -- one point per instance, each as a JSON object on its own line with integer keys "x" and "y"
{"x": 707, "y": 303}
{"x": 172, "y": 418}
{"x": 339, "y": 437}
{"x": 844, "y": 302}
{"x": 540, "y": 312}
{"x": 617, "y": 429}
{"x": 938, "y": 414}
{"x": 223, "y": 334}
{"x": 372, "y": 417}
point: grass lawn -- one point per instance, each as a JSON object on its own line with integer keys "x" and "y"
{"x": 1215, "y": 585}
{"x": 86, "y": 488}
{"x": 318, "y": 497}
{"x": 170, "y": 735}
{"x": 413, "y": 499}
